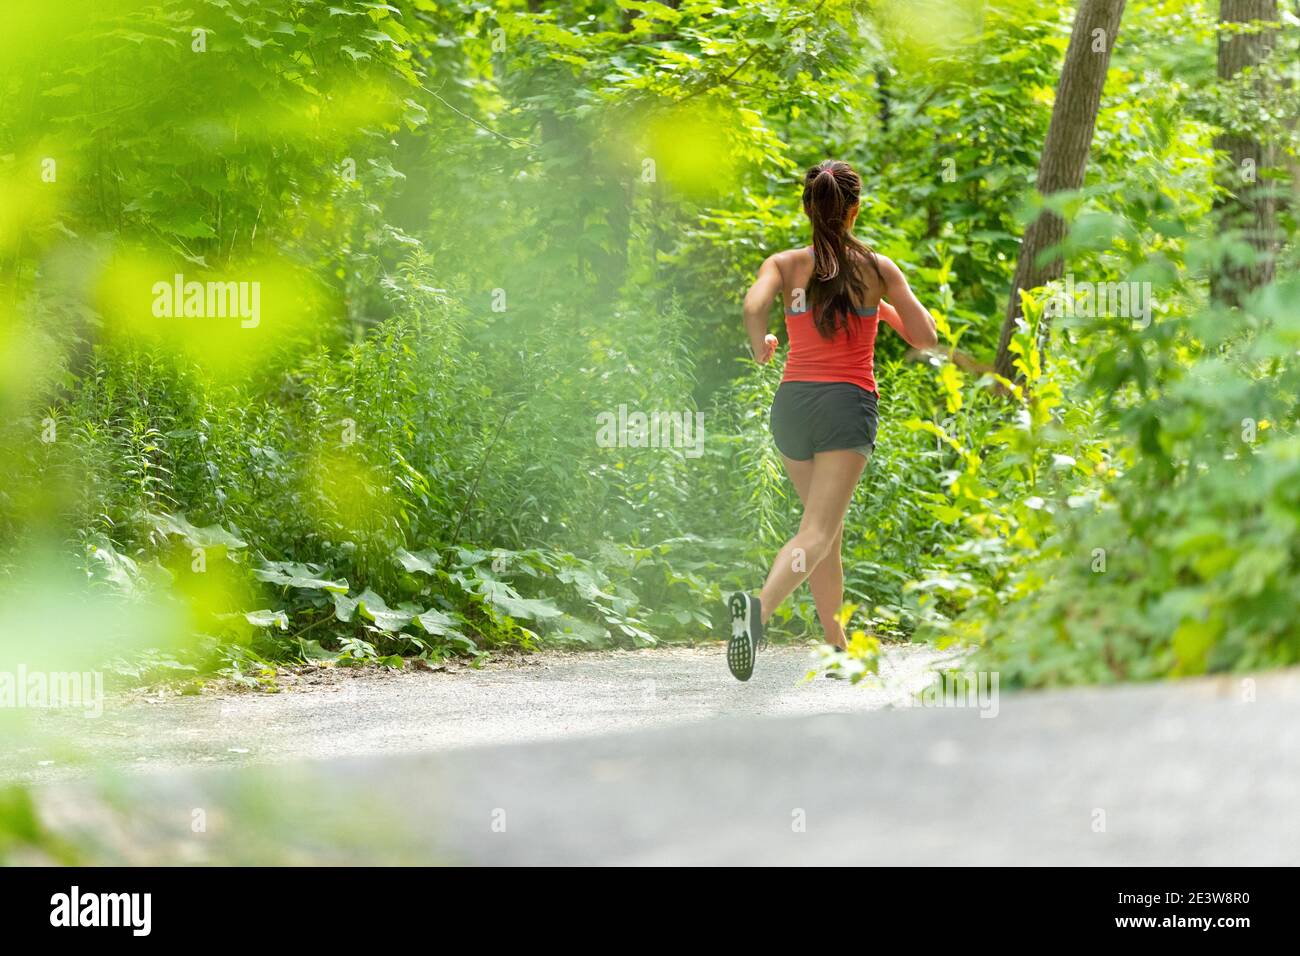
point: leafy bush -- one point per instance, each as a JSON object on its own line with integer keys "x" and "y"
{"x": 483, "y": 233}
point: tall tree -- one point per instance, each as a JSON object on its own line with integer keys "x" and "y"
{"x": 1251, "y": 202}
{"x": 1065, "y": 152}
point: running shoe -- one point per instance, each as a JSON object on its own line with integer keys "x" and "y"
{"x": 746, "y": 637}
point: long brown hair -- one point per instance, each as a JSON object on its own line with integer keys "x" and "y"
{"x": 830, "y": 190}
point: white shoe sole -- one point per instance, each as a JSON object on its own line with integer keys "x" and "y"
{"x": 740, "y": 646}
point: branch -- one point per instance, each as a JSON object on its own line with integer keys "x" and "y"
{"x": 480, "y": 125}
{"x": 708, "y": 85}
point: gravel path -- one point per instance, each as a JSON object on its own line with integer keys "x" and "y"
{"x": 341, "y": 713}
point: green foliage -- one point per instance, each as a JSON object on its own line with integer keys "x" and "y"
{"x": 24, "y": 839}
{"x": 481, "y": 232}
{"x": 1189, "y": 561}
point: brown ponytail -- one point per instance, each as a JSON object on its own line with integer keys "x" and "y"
{"x": 830, "y": 190}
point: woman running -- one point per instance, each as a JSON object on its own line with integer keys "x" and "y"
{"x": 823, "y": 418}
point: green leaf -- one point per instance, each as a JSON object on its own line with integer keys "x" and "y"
{"x": 372, "y": 608}
{"x": 509, "y": 600}
{"x": 213, "y": 536}
{"x": 344, "y": 607}
{"x": 288, "y": 574}
{"x": 436, "y": 622}
{"x": 422, "y": 562}
{"x": 312, "y": 651}
{"x": 268, "y": 618}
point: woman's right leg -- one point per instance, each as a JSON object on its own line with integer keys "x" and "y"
{"x": 827, "y": 585}
{"x": 827, "y": 579}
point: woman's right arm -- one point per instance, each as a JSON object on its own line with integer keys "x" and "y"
{"x": 758, "y": 309}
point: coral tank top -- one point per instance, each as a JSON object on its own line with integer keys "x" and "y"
{"x": 849, "y": 356}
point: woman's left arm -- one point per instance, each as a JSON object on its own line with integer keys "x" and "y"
{"x": 907, "y": 315}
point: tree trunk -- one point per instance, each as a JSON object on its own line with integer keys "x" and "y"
{"x": 1251, "y": 206}
{"x": 1065, "y": 152}
{"x": 1292, "y": 202}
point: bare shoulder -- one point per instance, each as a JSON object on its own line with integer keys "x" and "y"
{"x": 888, "y": 268}
{"x": 789, "y": 259}
{"x": 788, "y": 256}
{"x": 890, "y": 274}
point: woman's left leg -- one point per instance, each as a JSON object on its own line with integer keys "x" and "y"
{"x": 826, "y": 581}
{"x": 834, "y": 476}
